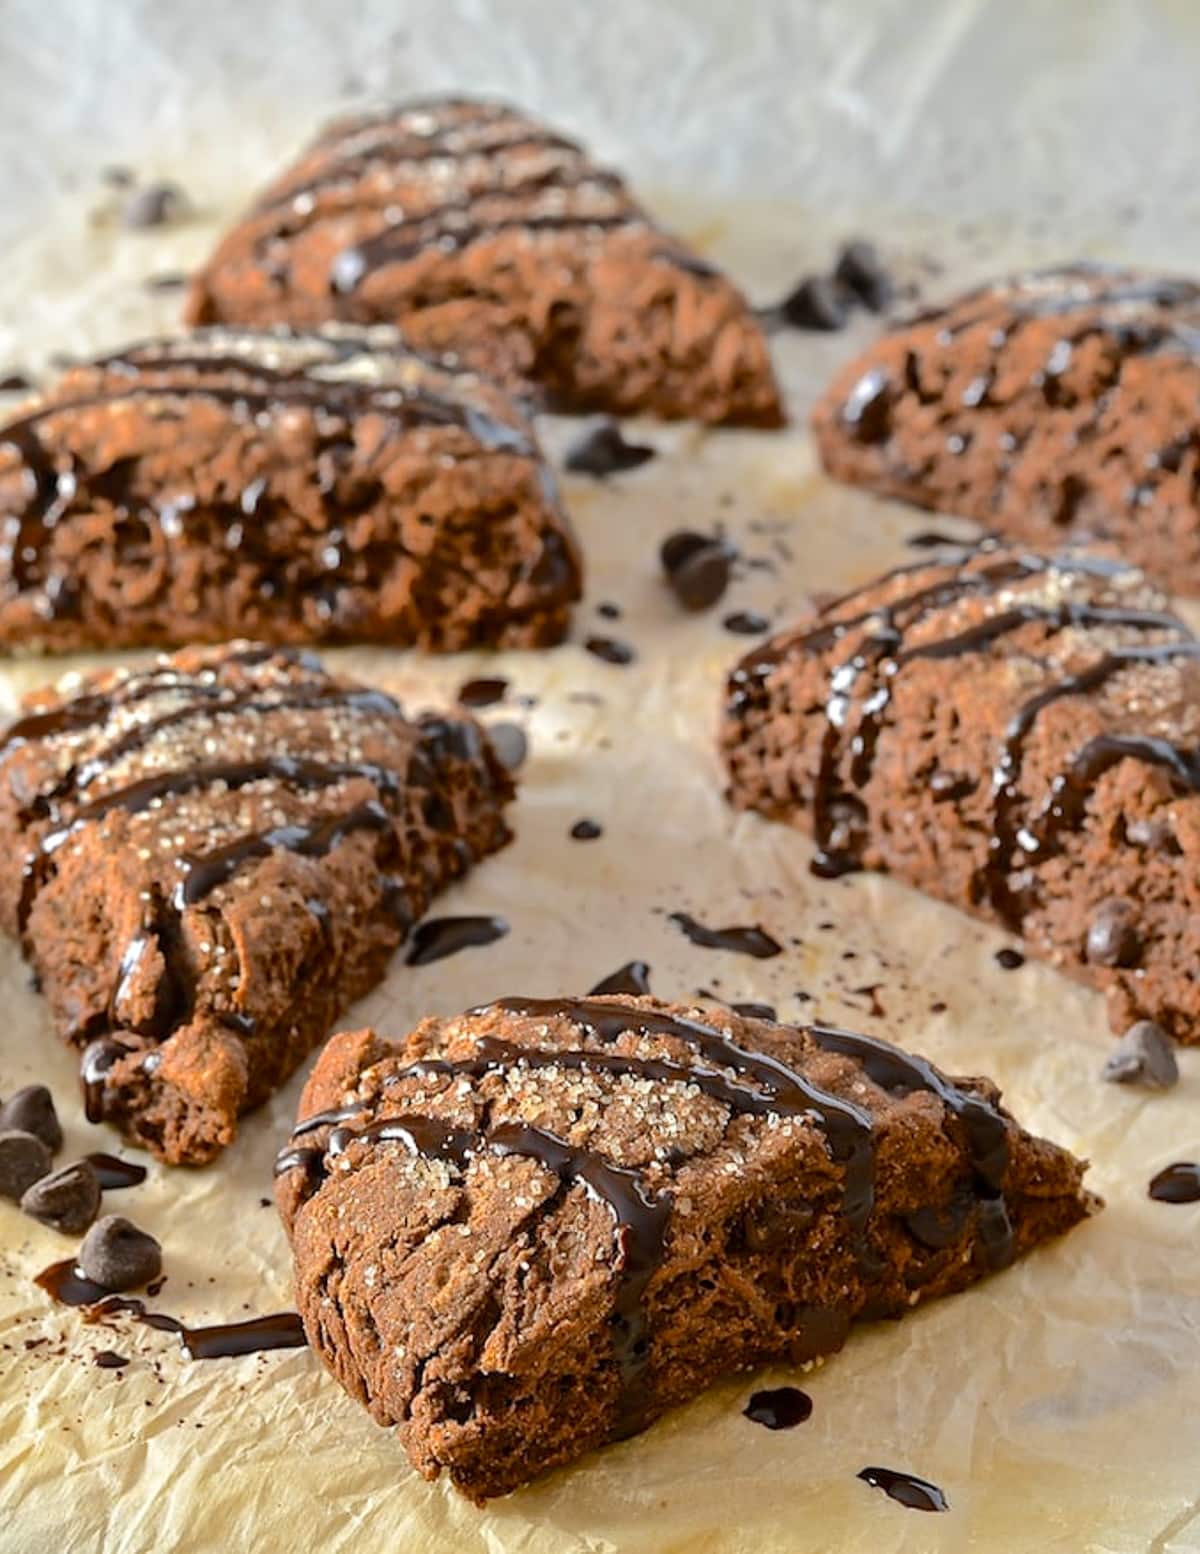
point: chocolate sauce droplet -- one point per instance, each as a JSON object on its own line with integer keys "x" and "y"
{"x": 633, "y": 978}
{"x": 482, "y": 692}
{"x": 746, "y": 623}
{"x": 1009, "y": 960}
{"x": 815, "y": 302}
{"x": 438, "y": 937}
{"x": 779, "y": 1408}
{"x": 610, "y": 650}
{"x": 753, "y": 941}
{"x": 110, "y": 1360}
{"x": 905, "y": 1488}
{"x": 586, "y": 830}
{"x": 1178, "y": 1183}
{"x": 860, "y": 270}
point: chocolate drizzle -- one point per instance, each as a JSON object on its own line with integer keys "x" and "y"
{"x": 753, "y": 941}
{"x": 283, "y": 1330}
{"x": 779, "y": 1408}
{"x": 861, "y": 688}
{"x": 918, "y": 1494}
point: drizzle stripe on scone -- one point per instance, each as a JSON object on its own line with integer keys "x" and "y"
{"x": 1013, "y": 732}
{"x": 530, "y": 1230}
{"x": 484, "y": 233}
{"x": 303, "y": 488}
{"x": 209, "y": 858}
{"x": 1059, "y": 405}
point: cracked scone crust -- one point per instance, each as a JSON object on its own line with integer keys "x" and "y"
{"x": 206, "y": 860}
{"x": 1057, "y": 406}
{"x": 530, "y": 1230}
{"x": 1015, "y": 733}
{"x": 484, "y": 233}
{"x": 325, "y": 487}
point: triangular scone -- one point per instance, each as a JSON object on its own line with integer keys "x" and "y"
{"x": 530, "y": 1230}
{"x": 483, "y": 232}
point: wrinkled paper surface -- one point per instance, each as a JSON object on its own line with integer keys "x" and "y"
{"x": 1055, "y": 1404}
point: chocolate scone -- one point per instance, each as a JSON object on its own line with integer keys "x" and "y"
{"x": 206, "y": 860}
{"x": 530, "y": 1230}
{"x": 482, "y": 232}
{"x": 326, "y": 487}
{"x": 1059, "y": 405}
{"x": 1013, "y": 732}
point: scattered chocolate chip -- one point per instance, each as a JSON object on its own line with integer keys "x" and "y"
{"x": 610, "y": 650}
{"x": 817, "y": 302}
{"x": 601, "y": 450}
{"x": 680, "y": 546}
{"x": 31, "y": 1110}
{"x": 746, "y": 623}
{"x": 154, "y": 206}
{"x": 16, "y": 383}
{"x": 67, "y": 1199}
{"x": 700, "y": 579}
{"x": 110, "y": 1360}
{"x": 483, "y": 692}
{"x": 1112, "y": 938}
{"x": 587, "y": 830}
{"x": 24, "y": 1159}
{"x": 169, "y": 280}
{"x": 510, "y": 743}
{"x": 860, "y": 269}
{"x": 119, "y": 1256}
{"x": 1145, "y": 1055}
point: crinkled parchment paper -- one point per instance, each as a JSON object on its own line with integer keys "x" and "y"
{"x": 1055, "y": 1404}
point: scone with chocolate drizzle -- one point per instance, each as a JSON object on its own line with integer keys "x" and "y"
{"x": 1015, "y": 732}
{"x": 530, "y": 1230}
{"x": 208, "y": 859}
{"x": 325, "y": 487}
{"x": 483, "y": 232}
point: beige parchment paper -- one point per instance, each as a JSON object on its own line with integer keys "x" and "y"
{"x": 1055, "y": 1404}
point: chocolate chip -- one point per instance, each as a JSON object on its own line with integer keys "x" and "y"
{"x": 67, "y": 1199}
{"x": 610, "y": 650}
{"x": 860, "y": 269}
{"x": 510, "y": 744}
{"x": 24, "y": 1159}
{"x": 700, "y": 580}
{"x": 601, "y": 450}
{"x": 1145, "y": 1055}
{"x": 1112, "y": 938}
{"x": 746, "y": 623}
{"x": 154, "y": 206}
{"x": 31, "y": 1110}
{"x": 118, "y": 1255}
{"x": 817, "y": 302}
{"x": 680, "y": 547}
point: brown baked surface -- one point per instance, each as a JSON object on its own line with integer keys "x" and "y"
{"x": 298, "y": 488}
{"x": 207, "y": 860}
{"x": 482, "y": 232}
{"x": 589, "y": 1210}
{"x": 931, "y": 725}
{"x": 1057, "y": 406}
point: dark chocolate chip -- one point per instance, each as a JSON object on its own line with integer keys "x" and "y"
{"x": 1112, "y": 938}
{"x": 746, "y": 623}
{"x": 31, "y": 1110}
{"x": 817, "y": 302}
{"x": 680, "y": 547}
{"x": 154, "y": 206}
{"x": 610, "y": 650}
{"x": 119, "y": 1256}
{"x": 24, "y": 1159}
{"x": 67, "y": 1199}
{"x": 587, "y": 830}
{"x": 601, "y": 450}
{"x": 700, "y": 580}
{"x": 510, "y": 744}
{"x": 1145, "y": 1055}
{"x": 860, "y": 269}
